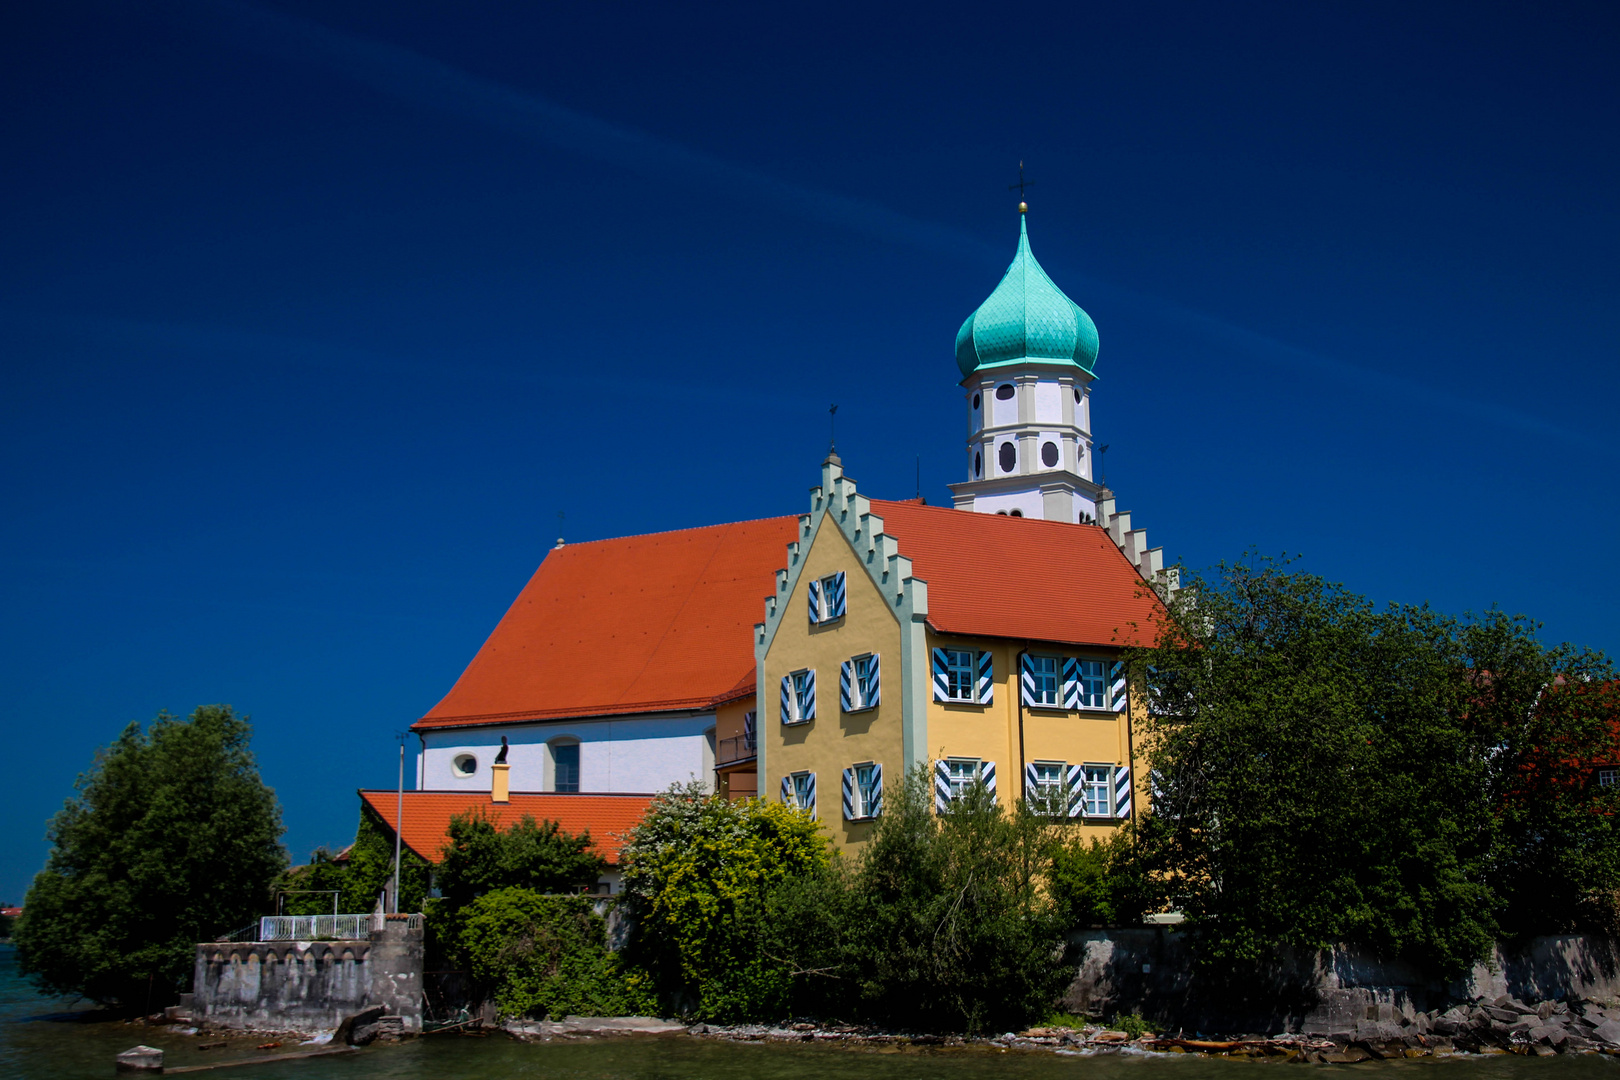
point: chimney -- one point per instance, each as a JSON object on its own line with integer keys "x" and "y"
{"x": 500, "y": 783}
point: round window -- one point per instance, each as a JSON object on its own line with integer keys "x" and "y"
{"x": 464, "y": 765}
{"x": 1049, "y": 455}
{"x": 975, "y": 401}
{"x": 978, "y": 464}
{"x": 1077, "y": 396}
{"x": 1004, "y": 392}
{"x": 1009, "y": 456}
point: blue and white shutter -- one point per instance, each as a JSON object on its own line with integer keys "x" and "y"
{"x": 1118, "y": 699}
{"x": 873, "y": 692}
{"x": 942, "y": 677}
{"x": 942, "y": 786}
{"x": 787, "y": 790}
{"x": 987, "y": 777}
{"x": 1122, "y": 791}
{"x": 849, "y": 794}
{"x": 986, "y": 678}
{"x": 1032, "y": 784}
{"x": 837, "y": 596}
{"x": 875, "y": 806}
{"x": 847, "y": 688}
{"x": 788, "y": 716}
{"x": 1071, "y": 683}
{"x": 814, "y": 591}
{"x": 807, "y": 700}
{"x": 1075, "y": 781}
{"x": 1026, "y": 679}
{"x": 810, "y": 796}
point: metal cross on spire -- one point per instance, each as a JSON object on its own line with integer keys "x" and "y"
{"x": 1021, "y": 185}
{"x": 832, "y": 431}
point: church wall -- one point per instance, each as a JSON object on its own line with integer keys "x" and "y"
{"x": 834, "y": 740}
{"x": 638, "y": 754}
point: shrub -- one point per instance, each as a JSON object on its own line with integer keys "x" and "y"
{"x": 1100, "y": 882}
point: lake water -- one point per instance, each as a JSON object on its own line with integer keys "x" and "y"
{"x": 48, "y": 1039}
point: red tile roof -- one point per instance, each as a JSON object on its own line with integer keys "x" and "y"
{"x": 608, "y": 818}
{"x": 637, "y": 624}
{"x": 1013, "y": 577}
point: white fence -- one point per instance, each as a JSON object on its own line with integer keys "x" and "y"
{"x": 317, "y": 927}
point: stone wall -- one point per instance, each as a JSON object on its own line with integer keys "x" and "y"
{"x": 309, "y": 985}
{"x": 1151, "y": 971}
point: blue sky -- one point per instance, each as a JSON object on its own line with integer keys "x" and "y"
{"x": 315, "y": 317}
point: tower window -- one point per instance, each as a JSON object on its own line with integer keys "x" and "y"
{"x": 1049, "y": 455}
{"x": 978, "y": 464}
{"x": 566, "y": 759}
{"x": 1004, "y": 392}
{"x": 1009, "y": 456}
{"x": 1077, "y": 395}
{"x": 975, "y": 401}
{"x": 464, "y": 765}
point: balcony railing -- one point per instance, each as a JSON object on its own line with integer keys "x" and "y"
{"x": 735, "y": 749}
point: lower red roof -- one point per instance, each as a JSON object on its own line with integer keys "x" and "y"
{"x": 608, "y": 818}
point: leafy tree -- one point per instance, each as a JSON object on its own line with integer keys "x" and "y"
{"x": 1324, "y": 771}
{"x": 371, "y": 868}
{"x": 304, "y": 888}
{"x": 706, "y": 883}
{"x": 545, "y": 956}
{"x": 479, "y": 857}
{"x": 947, "y": 925}
{"x": 1101, "y": 881}
{"x": 171, "y": 839}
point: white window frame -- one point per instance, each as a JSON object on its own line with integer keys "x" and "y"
{"x": 1057, "y": 681}
{"x": 959, "y": 784}
{"x": 823, "y": 604}
{"x": 1052, "y": 796}
{"x": 796, "y": 681}
{"x": 1608, "y": 777}
{"x": 860, "y": 680}
{"x": 799, "y": 785}
{"x": 862, "y": 810}
{"x": 1102, "y": 682}
{"x": 1090, "y": 783}
{"x": 971, "y": 670}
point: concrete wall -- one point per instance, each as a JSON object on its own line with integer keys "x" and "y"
{"x": 309, "y": 985}
{"x": 1151, "y": 971}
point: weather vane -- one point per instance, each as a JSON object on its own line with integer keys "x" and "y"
{"x": 1019, "y": 187}
{"x": 832, "y": 431}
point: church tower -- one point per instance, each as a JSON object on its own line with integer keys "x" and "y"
{"x": 1026, "y": 358}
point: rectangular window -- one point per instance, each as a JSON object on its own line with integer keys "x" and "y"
{"x": 565, "y": 761}
{"x": 1093, "y": 685}
{"x": 804, "y": 694}
{"x": 1608, "y": 777}
{"x": 1096, "y": 790}
{"x": 959, "y": 672}
{"x": 866, "y": 681}
{"x": 865, "y": 789}
{"x": 804, "y": 790}
{"x": 1048, "y": 795}
{"x": 963, "y": 773}
{"x": 1042, "y": 680}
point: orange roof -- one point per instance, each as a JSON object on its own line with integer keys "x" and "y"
{"x": 637, "y": 624}
{"x": 1019, "y": 577}
{"x": 608, "y": 818}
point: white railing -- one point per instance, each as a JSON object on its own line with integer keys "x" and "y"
{"x": 314, "y": 927}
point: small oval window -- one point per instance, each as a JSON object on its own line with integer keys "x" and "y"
{"x": 464, "y": 765}
{"x": 1077, "y": 396}
{"x": 975, "y": 401}
{"x": 1009, "y": 456}
{"x": 978, "y": 464}
{"x": 1049, "y": 455}
{"x": 1004, "y": 392}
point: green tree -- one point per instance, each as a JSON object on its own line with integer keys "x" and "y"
{"x": 171, "y": 839}
{"x": 709, "y": 884}
{"x": 479, "y": 857}
{"x": 307, "y": 889}
{"x": 1101, "y": 881}
{"x": 1325, "y": 771}
{"x": 371, "y": 868}
{"x": 947, "y": 923}
{"x": 544, "y": 956}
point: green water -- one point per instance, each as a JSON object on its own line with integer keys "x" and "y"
{"x": 46, "y": 1039}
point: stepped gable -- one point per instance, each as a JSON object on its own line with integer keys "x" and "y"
{"x": 608, "y": 818}
{"x": 637, "y": 624}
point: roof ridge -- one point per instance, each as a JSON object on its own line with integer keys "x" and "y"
{"x": 671, "y": 532}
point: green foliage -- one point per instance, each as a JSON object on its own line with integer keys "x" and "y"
{"x": 371, "y": 868}
{"x": 171, "y": 839}
{"x": 303, "y": 888}
{"x": 1328, "y": 772}
{"x": 708, "y": 884}
{"x": 1101, "y": 882}
{"x": 6, "y": 923}
{"x": 1131, "y": 1024}
{"x": 946, "y": 924}
{"x": 545, "y": 956}
{"x": 479, "y": 858}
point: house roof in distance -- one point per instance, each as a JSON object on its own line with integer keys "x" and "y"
{"x": 1013, "y": 577}
{"x": 651, "y": 623}
{"x": 427, "y": 815}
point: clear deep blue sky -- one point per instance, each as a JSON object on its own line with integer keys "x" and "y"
{"x": 314, "y": 317}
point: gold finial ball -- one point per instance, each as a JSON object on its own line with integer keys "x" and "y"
{"x": 1023, "y": 208}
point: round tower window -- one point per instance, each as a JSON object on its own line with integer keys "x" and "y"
{"x": 978, "y": 464}
{"x": 1004, "y": 392}
{"x": 1049, "y": 455}
{"x": 1077, "y": 395}
{"x": 464, "y": 765}
{"x": 975, "y": 401}
{"x": 1009, "y": 456}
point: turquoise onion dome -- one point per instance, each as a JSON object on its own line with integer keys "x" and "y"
{"x": 1026, "y": 319}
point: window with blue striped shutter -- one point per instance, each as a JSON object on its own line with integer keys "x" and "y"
{"x": 987, "y": 777}
{"x": 846, "y": 686}
{"x": 804, "y": 690}
{"x": 849, "y": 794}
{"x": 814, "y": 594}
{"x": 1038, "y": 681}
{"x": 942, "y": 786}
{"x": 1118, "y": 694}
{"x": 788, "y": 716}
{"x": 987, "y": 674}
{"x": 1122, "y": 791}
{"x": 1077, "y": 791}
{"x": 874, "y": 802}
{"x": 787, "y": 790}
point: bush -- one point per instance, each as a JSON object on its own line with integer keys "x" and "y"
{"x": 479, "y": 858}
{"x": 1100, "y": 882}
{"x": 544, "y": 956}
